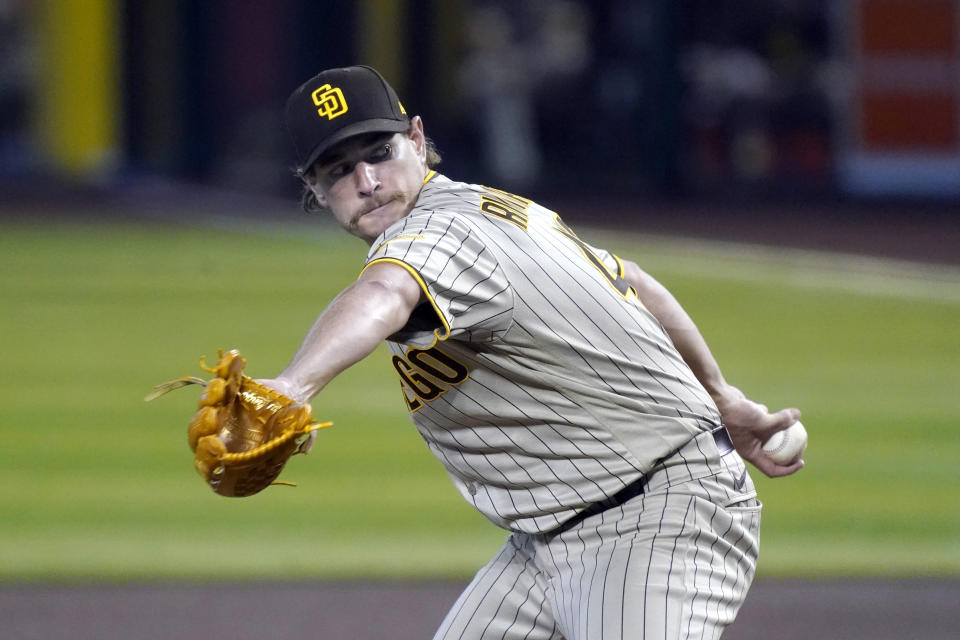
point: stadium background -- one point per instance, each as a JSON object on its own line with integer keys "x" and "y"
{"x": 817, "y": 141}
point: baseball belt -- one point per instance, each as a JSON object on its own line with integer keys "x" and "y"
{"x": 724, "y": 445}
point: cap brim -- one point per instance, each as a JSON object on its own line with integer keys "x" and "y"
{"x": 376, "y": 125}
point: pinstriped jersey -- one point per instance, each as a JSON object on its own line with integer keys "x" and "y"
{"x": 533, "y": 372}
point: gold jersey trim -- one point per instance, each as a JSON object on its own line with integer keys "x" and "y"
{"x": 383, "y": 246}
{"x": 437, "y": 337}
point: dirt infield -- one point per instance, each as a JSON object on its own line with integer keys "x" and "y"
{"x": 780, "y": 610}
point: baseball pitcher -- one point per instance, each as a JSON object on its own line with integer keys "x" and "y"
{"x": 568, "y": 395}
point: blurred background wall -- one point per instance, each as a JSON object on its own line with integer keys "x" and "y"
{"x": 645, "y": 98}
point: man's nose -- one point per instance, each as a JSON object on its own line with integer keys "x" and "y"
{"x": 366, "y": 176}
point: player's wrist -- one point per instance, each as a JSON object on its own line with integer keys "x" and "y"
{"x": 291, "y": 387}
{"x": 724, "y": 395}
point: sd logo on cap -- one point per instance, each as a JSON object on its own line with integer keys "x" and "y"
{"x": 330, "y": 100}
{"x": 337, "y": 104}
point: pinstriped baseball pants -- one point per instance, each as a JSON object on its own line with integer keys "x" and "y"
{"x": 673, "y": 562}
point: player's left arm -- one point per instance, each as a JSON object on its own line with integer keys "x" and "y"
{"x": 750, "y": 424}
{"x": 357, "y": 320}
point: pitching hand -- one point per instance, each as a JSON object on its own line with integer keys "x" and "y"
{"x": 750, "y": 425}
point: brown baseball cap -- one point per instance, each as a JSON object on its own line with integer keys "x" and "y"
{"x": 337, "y": 104}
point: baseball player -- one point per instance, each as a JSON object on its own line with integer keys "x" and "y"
{"x": 568, "y": 395}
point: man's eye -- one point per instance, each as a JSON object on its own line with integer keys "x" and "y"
{"x": 381, "y": 153}
{"x": 339, "y": 171}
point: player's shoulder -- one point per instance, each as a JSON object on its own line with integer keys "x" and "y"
{"x": 442, "y": 195}
{"x": 476, "y": 203}
{"x": 444, "y": 205}
{"x": 462, "y": 212}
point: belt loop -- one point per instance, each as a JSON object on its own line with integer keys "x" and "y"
{"x": 724, "y": 443}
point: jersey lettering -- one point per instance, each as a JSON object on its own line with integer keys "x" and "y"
{"x": 449, "y": 371}
{"x": 505, "y": 206}
{"x": 426, "y": 374}
{"x": 616, "y": 281}
{"x": 414, "y": 384}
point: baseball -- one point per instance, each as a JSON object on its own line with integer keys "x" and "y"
{"x": 787, "y": 446}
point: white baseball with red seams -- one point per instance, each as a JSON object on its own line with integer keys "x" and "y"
{"x": 787, "y": 446}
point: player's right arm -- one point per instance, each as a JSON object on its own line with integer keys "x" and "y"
{"x": 375, "y": 306}
{"x": 750, "y": 424}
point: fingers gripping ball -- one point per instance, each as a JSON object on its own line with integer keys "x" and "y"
{"x": 243, "y": 433}
{"x": 787, "y": 446}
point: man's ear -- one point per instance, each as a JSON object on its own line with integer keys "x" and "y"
{"x": 311, "y": 182}
{"x": 416, "y": 135}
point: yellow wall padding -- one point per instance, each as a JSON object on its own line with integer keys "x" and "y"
{"x": 79, "y": 114}
{"x": 383, "y": 43}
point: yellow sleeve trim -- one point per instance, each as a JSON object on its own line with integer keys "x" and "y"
{"x": 394, "y": 239}
{"x": 620, "y": 271}
{"x": 437, "y": 337}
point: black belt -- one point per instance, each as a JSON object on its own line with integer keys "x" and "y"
{"x": 724, "y": 445}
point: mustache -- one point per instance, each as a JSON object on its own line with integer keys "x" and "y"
{"x": 397, "y": 195}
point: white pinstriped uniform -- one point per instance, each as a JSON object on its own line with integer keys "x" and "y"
{"x": 544, "y": 387}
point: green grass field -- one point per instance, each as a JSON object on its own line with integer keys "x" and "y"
{"x": 95, "y": 484}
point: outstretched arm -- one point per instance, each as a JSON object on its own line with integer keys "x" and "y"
{"x": 750, "y": 424}
{"x": 364, "y": 314}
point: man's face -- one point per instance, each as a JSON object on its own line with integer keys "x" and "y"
{"x": 370, "y": 181}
